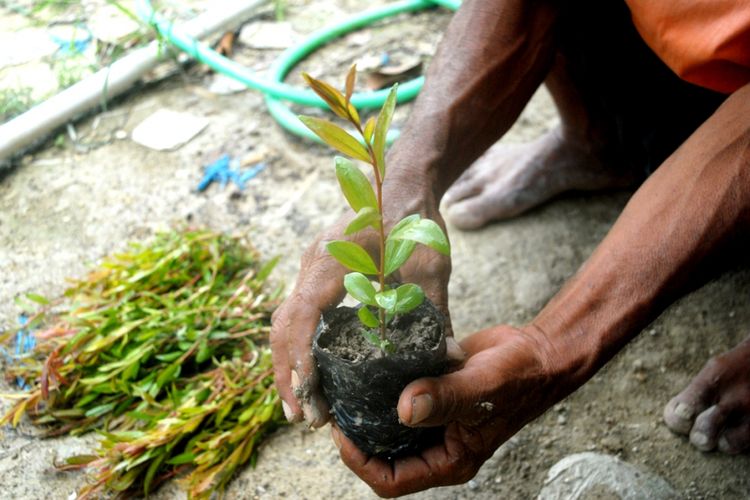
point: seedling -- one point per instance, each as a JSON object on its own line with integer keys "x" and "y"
{"x": 395, "y": 247}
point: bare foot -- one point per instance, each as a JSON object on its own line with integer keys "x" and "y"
{"x": 511, "y": 179}
{"x": 714, "y": 410}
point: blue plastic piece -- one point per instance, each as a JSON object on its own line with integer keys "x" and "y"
{"x": 226, "y": 169}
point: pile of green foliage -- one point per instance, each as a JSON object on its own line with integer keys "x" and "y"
{"x": 162, "y": 350}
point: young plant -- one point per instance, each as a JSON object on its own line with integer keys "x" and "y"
{"x": 395, "y": 247}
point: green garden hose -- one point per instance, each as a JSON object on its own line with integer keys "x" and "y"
{"x": 275, "y": 89}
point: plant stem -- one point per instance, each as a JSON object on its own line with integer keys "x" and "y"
{"x": 379, "y": 194}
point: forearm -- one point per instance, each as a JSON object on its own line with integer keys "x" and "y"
{"x": 492, "y": 58}
{"x": 692, "y": 207}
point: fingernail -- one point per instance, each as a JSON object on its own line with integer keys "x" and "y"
{"x": 336, "y": 437}
{"x": 683, "y": 411}
{"x": 421, "y": 408}
{"x": 313, "y": 416}
{"x": 295, "y": 380}
{"x": 290, "y": 417}
{"x": 453, "y": 350}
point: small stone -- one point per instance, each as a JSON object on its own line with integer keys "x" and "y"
{"x": 562, "y": 420}
{"x": 638, "y": 364}
{"x": 473, "y": 485}
{"x": 120, "y": 135}
{"x": 595, "y": 475}
{"x": 498, "y": 479}
{"x": 731, "y": 314}
{"x": 652, "y": 332}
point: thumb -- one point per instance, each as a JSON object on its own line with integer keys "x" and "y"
{"x": 429, "y": 402}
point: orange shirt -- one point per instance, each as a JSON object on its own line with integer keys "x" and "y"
{"x": 706, "y": 42}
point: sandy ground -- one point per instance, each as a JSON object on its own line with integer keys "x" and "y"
{"x": 64, "y": 208}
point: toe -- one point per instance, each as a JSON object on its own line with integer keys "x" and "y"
{"x": 707, "y": 427}
{"x": 465, "y": 187}
{"x": 679, "y": 414}
{"x": 735, "y": 439}
{"x": 467, "y": 214}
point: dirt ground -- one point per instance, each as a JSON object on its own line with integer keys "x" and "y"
{"x": 63, "y": 208}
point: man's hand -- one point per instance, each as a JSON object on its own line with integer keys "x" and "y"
{"x": 320, "y": 287}
{"x": 507, "y": 380}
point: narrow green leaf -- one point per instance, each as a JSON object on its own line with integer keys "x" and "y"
{"x": 37, "y": 298}
{"x": 381, "y": 129}
{"x": 360, "y": 288}
{"x": 169, "y": 374}
{"x": 335, "y": 99}
{"x": 182, "y": 458}
{"x": 408, "y": 297}
{"x": 367, "y": 317}
{"x": 169, "y": 356}
{"x": 387, "y": 300}
{"x": 369, "y": 129}
{"x": 397, "y": 252}
{"x": 354, "y": 184}
{"x": 151, "y": 472}
{"x": 336, "y": 137}
{"x": 265, "y": 271}
{"x": 423, "y": 231}
{"x": 80, "y": 459}
{"x": 100, "y": 410}
{"x": 352, "y": 256}
{"x": 367, "y": 216}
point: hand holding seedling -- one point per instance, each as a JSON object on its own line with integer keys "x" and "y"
{"x": 392, "y": 238}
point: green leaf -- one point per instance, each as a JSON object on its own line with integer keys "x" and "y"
{"x": 367, "y": 317}
{"x": 367, "y": 216}
{"x": 369, "y": 129}
{"x": 169, "y": 374}
{"x": 182, "y": 458}
{"x": 100, "y": 410}
{"x": 355, "y": 185}
{"x": 405, "y": 222}
{"x": 204, "y": 352}
{"x": 381, "y": 130}
{"x": 408, "y": 297}
{"x": 387, "y": 300}
{"x": 396, "y": 253}
{"x": 336, "y": 137}
{"x": 372, "y": 338}
{"x": 335, "y": 99}
{"x": 37, "y": 298}
{"x": 360, "y": 288}
{"x": 80, "y": 459}
{"x": 423, "y": 231}
{"x": 151, "y": 472}
{"x": 352, "y": 256}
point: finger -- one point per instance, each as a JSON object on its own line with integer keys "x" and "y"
{"x": 448, "y": 463}
{"x": 435, "y": 401}
{"x": 318, "y": 288}
{"x": 282, "y": 374}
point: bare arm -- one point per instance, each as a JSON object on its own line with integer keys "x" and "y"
{"x": 491, "y": 60}
{"x": 693, "y": 207}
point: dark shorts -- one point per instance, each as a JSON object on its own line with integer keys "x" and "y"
{"x": 646, "y": 109}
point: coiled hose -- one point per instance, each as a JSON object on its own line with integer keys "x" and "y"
{"x": 275, "y": 89}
